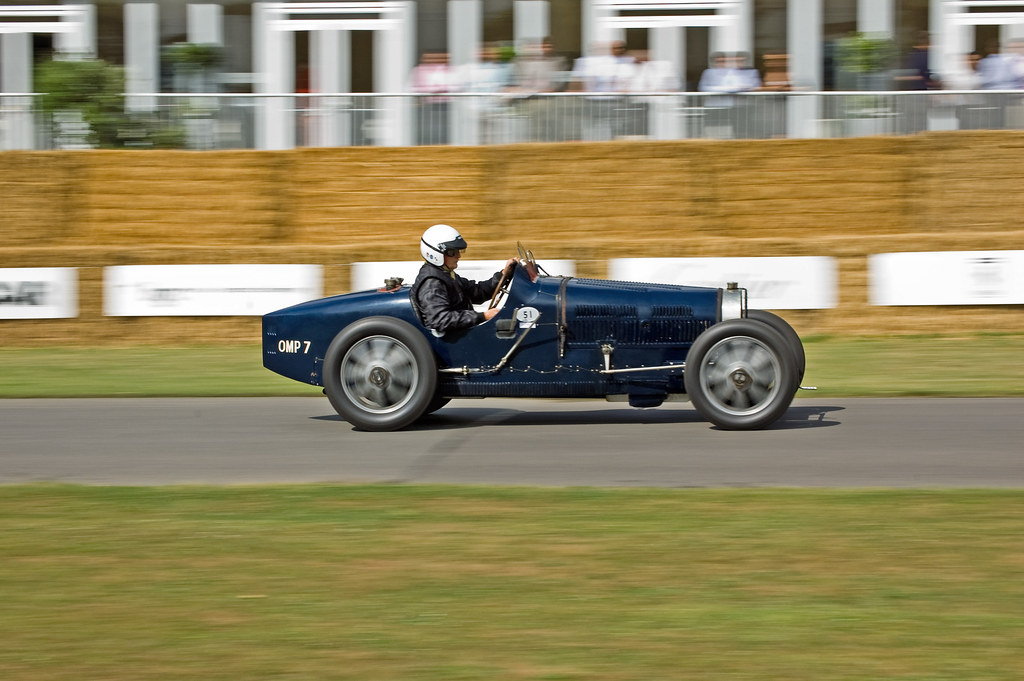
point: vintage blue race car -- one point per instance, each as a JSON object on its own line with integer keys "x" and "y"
{"x": 554, "y": 336}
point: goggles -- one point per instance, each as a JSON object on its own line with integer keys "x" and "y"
{"x": 452, "y": 252}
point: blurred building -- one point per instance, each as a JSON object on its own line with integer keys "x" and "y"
{"x": 283, "y": 48}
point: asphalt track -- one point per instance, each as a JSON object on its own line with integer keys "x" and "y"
{"x": 934, "y": 442}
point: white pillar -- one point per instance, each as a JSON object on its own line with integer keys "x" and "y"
{"x": 205, "y": 24}
{"x": 141, "y": 54}
{"x": 950, "y": 40}
{"x": 18, "y": 131}
{"x": 531, "y": 21}
{"x": 595, "y": 30}
{"x": 394, "y": 55}
{"x": 330, "y": 57}
{"x": 1008, "y": 32}
{"x": 80, "y": 43}
{"x": 668, "y": 44}
{"x": 876, "y": 17}
{"x": 274, "y": 64}
{"x": 745, "y": 28}
{"x": 736, "y": 34}
{"x": 804, "y": 31}
{"x": 588, "y": 27}
{"x": 465, "y": 31}
{"x": 15, "y": 62}
{"x": 465, "y": 36}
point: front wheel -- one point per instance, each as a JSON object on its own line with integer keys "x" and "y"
{"x": 741, "y": 375}
{"x": 436, "y": 403}
{"x": 380, "y": 374}
{"x": 790, "y": 334}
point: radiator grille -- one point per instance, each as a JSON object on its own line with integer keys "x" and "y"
{"x": 672, "y": 311}
{"x": 626, "y": 332}
{"x": 613, "y": 311}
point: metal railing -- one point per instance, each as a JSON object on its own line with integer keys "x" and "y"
{"x": 261, "y": 121}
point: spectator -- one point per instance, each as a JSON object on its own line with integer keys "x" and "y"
{"x": 653, "y": 76}
{"x": 918, "y": 75}
{"x": 972, "y": 112}
{"x": 965, "y": 76}
{"x": 539, "y": 71}
{"x": 749, "y": 110}
{"x": 1017, "y": 62}
{"x": 1005, "y": 71}
{"x": 656, "y": 76}
{"x": 489, "y": 76}
{"x": 772, "y": 114}
{"x": 1002, "y": 70}
{"x": 432, "y": 76}
{"x": 609, "y": 70}
{"x": 1015, "y": 105}
{"x": 727, "y": 75}
{"x": 718, "y": 77}
{"x": 749, "y": 78}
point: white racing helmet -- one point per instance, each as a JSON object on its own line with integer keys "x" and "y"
{"x": 438, "y": 239}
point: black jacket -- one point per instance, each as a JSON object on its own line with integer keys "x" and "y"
{"x": 443, "y": 300}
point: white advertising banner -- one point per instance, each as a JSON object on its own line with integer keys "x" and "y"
{"x": 38, "y": 292}
{"x": 947, "y": 278}
{"x": 207, "y": 290}
{"x": 371, "y": 275}
{"x": 784, "y": 283}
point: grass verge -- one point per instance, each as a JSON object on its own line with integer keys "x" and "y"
{"x": 976, "y": 365}
{"x": 398, "y": 583}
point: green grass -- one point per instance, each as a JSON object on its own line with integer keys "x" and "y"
{"x": 141, "y": 371}
{"x": 451, "y": 583}
{"x": 975, "y": 365}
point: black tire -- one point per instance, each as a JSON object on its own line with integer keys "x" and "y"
{"x": 740, "y": 374}
{"x": 380, "y": 374}
{"x": 436, "y": 404}
{"x": 791, "y": 336}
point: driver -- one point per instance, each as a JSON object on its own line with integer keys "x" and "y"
{"x": 443, "y": 299}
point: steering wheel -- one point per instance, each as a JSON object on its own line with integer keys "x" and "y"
{"x": 526, "y": 255}
{"x": 529, "y": 262}
{"x": 501, "y": 289}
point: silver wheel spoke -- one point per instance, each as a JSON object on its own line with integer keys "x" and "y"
{"x": 380, "y": 397}
{"x": 379, "y": 374}
{"x": 393, "y": 394}
{"x": 741, "y": 400}
{"x": 762, "y": 364}
{"x": 378, "y": 348}
{"x": 757, "y": 393}
{"x": 722, "y": 390}
{"x": 739, "y": 374}
{"x": 392, "y": 353}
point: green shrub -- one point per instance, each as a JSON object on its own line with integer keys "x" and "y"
{"x": 94, "y": 90}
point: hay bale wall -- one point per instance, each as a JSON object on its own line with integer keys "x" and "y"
{"x": 588, "y": 202}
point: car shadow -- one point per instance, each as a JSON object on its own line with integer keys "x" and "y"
{"x": 456, "y": 417}
{"x": 816, "y": 416}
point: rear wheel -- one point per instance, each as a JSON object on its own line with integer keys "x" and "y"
{"x": 741, "y": 374}
{"x": 380, "y": 374}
